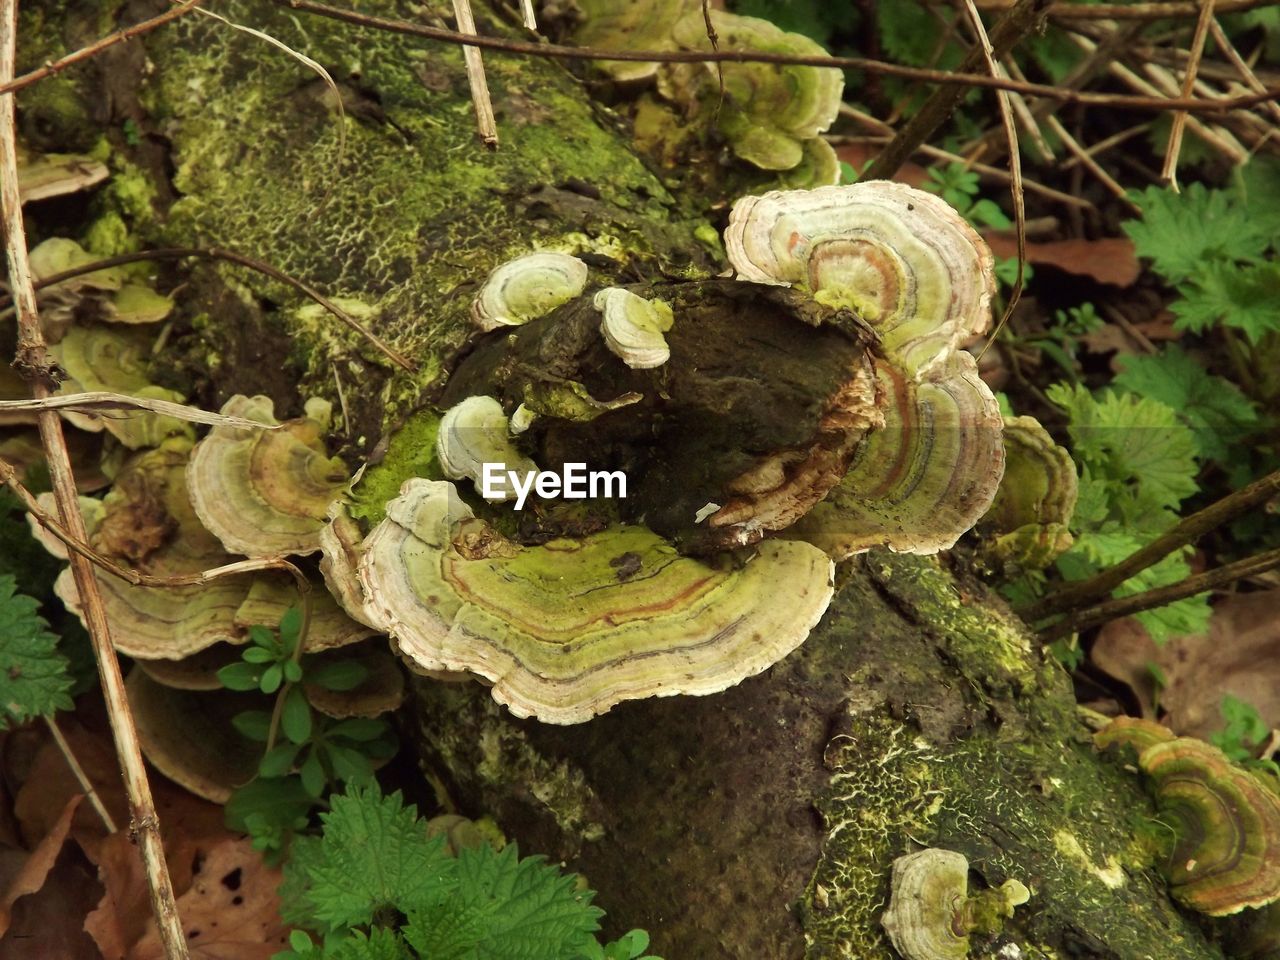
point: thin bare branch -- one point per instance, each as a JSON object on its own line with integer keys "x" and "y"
{"x": 1162, "y": 596}
{"x": 960, "y": 78}
{"x": 36, "y": 367}
{"x": 1090, "y": 164}
{"x": 1147, "y": 11}
{"x": 1241, "y": 65}
{"x": 95, "y": 48}
{"x": 480, "y": 99}
{"x": 82, "y": 778}
{"x": 1169, "y": 172}
{"x": 1188, "y": 530}
{"x": 98, "y": 400}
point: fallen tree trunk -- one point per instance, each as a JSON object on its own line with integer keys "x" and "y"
{"x": 761, "y": 822}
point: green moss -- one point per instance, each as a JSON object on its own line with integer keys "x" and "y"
{"x": 411, "y": 212}
{"x": 411, "y": 452}
{"x": 108, "y": 236}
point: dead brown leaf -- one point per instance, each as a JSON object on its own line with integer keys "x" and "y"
{"x": 31, "y": 876}
{"x": 231, "y": 911}
{"x": 1240, "y": 655}
{"x": 1111, "y": 260}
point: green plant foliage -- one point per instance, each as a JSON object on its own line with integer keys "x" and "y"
{"x": 1213, "y": 247}
{"x": 305, "y": 753}
{"x": 1138, "y": 462}
{"x": 373, "y": 885}
{"x": 1244, "y": 729}
{"x": 34, "y": 680}
{"x": 1216, "y": 410}
{"x": 816, "y": 19}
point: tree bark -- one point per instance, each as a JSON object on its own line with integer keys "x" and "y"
{"x": 761, "y": 822}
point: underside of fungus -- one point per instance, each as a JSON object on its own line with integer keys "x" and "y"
{"x": 567, "y": 630}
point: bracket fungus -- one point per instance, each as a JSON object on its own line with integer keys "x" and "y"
{"x": 265, "y": 493}
{"x": 633, "y": 327}
{"x": 45, "y": 175}
{"x": 1027, "y": 523}
{"x": 527, "y": 287}
{"x": 906, "y": 264}
{"x": 770, "y": 113}
{"x": 106, "y": 294}
{"x": 931, "y": 912}
{"x": 1225, "y": 852}
{"x": 566, "y": 630}
{"x": 473, "y": 433}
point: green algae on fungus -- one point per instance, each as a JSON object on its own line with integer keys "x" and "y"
{"x": 566, "y": 630}
{"x": 527, "y": 287}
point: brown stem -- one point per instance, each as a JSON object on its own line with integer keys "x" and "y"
{"x": 95, "y": 48}
{"x": 1169, "y": 173}
{"x": 36, "y": 367}
{"x": 1074, "y": 595}
{"x": 1160, "y": 596}
{"x": 1012, "y": 27}
{"x": 1147, "y": 11}
{"x": 82, "y": 778}
{"x": 943, "y": 77}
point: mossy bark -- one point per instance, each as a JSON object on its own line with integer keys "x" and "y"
{"x": 758, "y": 823}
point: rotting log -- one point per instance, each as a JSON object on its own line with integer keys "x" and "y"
{"x": 761, "y": 822}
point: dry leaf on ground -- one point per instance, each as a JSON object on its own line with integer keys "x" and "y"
{"x": 1240, "y": 655}
{"x": 1111, "y": 260}
{"x": 33, "y": 872}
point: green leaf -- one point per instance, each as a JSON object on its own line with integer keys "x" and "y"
{"x": 240, "y": 676}
{"x": 1244, "y": 297}
{"x": 374, "y": 855}
{"x": 278, "y": 760}
{"x": 1216, "y": 409}
{"x": 336, "y": 674}
{"x": 271, "y": 679}
{"x": 312, "y": 773}
{"x": 1183, "y": 233}
{"x": 290, "y": 625}
{"x": 280, "y": 800}
{"x": 261, "y": 636}
{"x": 358, "y": 728}
{"x": 988, "y": 213}
{"x": 254, "y": 724}
{"x": 519, "y": 905}
{"x": 258, "y": 655}
{"x": 295, "y": 716}
{"x": 292, "y": 671}
{"x": 350, "y": 765}
{"x": 34, "y": 680}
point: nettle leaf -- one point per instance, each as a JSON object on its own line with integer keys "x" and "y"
{"x": 34, "y": 679}
{"x": 1182, "y": 233}
{"x": 1216, "y": 409}
{"x": 1133, "y": 441}
{"x": 1244, "y": 297}
{"x": 521, "y": 908}
{"x": 1186, "y": 616}
{"x": 374, "y": 855}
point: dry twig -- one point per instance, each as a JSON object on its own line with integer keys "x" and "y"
{"x": 82, "y": 778}
{"x": 36, "y": 368}
{"x": 1169, "y": 173}
{"x": 480, "y": 99}
{"x": 1160, "y": 596}
{"x": 97, "y": 401}
{"x": 1188, "y": 530}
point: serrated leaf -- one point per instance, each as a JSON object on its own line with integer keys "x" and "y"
{"x": 295, "y": 716}
{"x": 374, "y": 854}
{"x": 34, "y": 680}
{"x": 1244, "y": 297}
{"x": 529, "y": 909}
{"x": 1215, "y": 408}
{"x": 1183, "y": 233}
